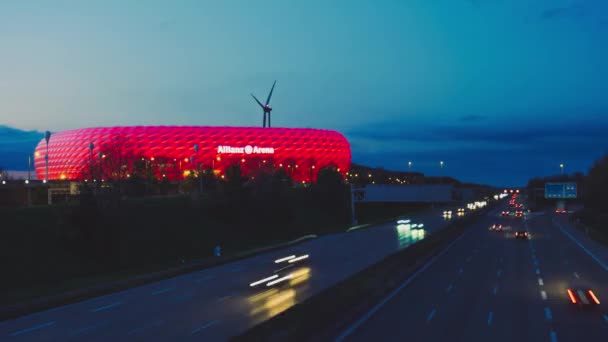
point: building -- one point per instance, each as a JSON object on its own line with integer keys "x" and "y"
{"x": 173, "y": 152}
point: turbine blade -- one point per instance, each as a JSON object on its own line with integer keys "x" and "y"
{"x": 270, "y": 95}
{"x": 258, "y": 101}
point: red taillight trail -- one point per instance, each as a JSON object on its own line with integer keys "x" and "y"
{"x": 572, "y": 298}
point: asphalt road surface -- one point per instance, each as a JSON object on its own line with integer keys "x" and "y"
{"x": 490, "y": 287}
{"x": 215, "y": 303}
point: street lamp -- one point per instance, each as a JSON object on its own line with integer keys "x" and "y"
{"x": 200, "y": 176}
{"x": 561, "y": 166}
{"x": 409, "y": 164}
{"x": 91, "y": 146}
{"x": 441, "y": 164}
{"x": 47, "y": 137}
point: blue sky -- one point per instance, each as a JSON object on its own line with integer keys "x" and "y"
{"x": 501, "y": 90}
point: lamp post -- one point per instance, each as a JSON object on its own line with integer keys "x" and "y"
{"x": 441, "y": 164}
{"x": 200, "y": 176}
{"x": 409, "y": 164}
{"x": 561, "y": 166}
{"x": 47, "y": 137}
{"x": 91, "y": 146}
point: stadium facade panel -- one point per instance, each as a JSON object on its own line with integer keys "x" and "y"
{"x": 169, "y": 152}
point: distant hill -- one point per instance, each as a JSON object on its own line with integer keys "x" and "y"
{"x": 15, "y": 145}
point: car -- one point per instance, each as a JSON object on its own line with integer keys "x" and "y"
{"x": 519, "y": 213}
{"x": 286, "y": 269}
{"x": 496, "y": 227}
{"x": 521, "y": 234}
{"x": 560, "y": 211}
{"x": 505, "y": 213}
{"x": 583, "y": 297}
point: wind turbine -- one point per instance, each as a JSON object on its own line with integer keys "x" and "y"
{"x": 266, "y": 107}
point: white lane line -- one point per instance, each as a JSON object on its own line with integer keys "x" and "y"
{"x": 543, "y": 294}
{"x": 34, "y": 328}
{"x": 538, "y": 271}
{"x": 168, "y": 289}
{"x": 449, "y": 289}
{"x": 581, "y": 246}
{"x": 105, "y": 307}
{"x": 383, "y": 302}
{"x": 495, "y": 290}
{"x": 541, "y": 282}
{"x": 577, "y": 276}
{"x": 553, "y": 336}
{"x": 88, "y": 328}
{"x": 548, "y": 314}
{"x": 430, "y": 316}
{"x": 490, "y": 316}
{"x": 535, "y": 262}
{"x": 207, "y": 325}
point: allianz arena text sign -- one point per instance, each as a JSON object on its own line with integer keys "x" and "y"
{"x": 245, "y": 150}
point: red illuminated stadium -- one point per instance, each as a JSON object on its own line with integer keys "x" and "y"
{"x": 168, "y": 151}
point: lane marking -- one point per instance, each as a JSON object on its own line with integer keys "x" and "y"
{"x": 431, "y": 315}
{"x": 553, "y": 336}
{"x": 490, "y": 315}
{"x": 101, "y": 308}
{"x": 168, "y": 289}
{"x": 34, "y": 328}
{"x": 495, "y": 290}
{"x": 460, "y": 271}
{"x": 449, "y": 289}
{"x": 88, "y": 328}
{"x": 535, "y": 262}
{"x": 548, "y": 314}
{"x": 538, "y": 271}
{"x": 543, "y": 294}
{"x": 207, "y": 325}
{"x": 581, "y": 246}
{"x": 577, "y": 276}
{"x": 541, "y": 282}
{"x": 383, "y": 302}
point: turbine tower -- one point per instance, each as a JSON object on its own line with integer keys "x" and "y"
{"x": 266, "y": 107}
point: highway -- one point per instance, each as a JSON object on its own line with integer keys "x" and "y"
{"x": 216, "y": 303}
{"x": 487, "y": 286}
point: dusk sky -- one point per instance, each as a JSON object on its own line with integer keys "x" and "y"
{"x": 501, "y": 90}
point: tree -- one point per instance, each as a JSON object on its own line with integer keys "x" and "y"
{"x": 596, "y": 186}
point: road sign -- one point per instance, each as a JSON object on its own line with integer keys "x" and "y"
{"x": 359, "y": 195}
{"x": 560, "y": 190}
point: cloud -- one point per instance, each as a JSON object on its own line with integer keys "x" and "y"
{"x": 15, "y": 146}
{"x": 502, "y": 153}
